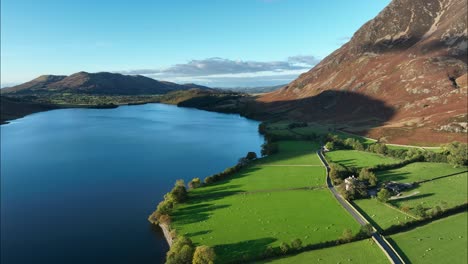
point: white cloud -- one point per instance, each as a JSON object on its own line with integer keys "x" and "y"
{"x": 226, "y": 72}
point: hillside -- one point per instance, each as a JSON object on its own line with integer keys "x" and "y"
{"x": 13, "y": 108}
{"x": 102, "y": 83}
{"x": 411, "y": 59}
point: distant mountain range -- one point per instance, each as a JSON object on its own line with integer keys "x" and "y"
{"x": 255, "y": 90}
{"x": 102, "y": 83}
{"x": 408, "y": 66}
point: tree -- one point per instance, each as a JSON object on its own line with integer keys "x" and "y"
{"x": 194, "y": 183}
{"x": 420, "y": 211}
{"x": 369, "y": 176}
{"x": 383, "y": 195}
{"x": 330, "y": 145}
{"x": 284, "y": 247}
{"x": 338, "y": 173}
{"x": 457, "y": 153}
{"x": 269, "y": 148}
{"x": 347, "y": 235}
{"x": 366, "y": 230}
{"x": 181, "y": 251}
{"x": 203, "y": 255}
{"x": 251, "y": 155}
{"x": 296, "y": 244}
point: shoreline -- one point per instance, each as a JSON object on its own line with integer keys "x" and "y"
{"x": 167, "y": 234}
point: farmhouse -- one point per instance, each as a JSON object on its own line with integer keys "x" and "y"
{"x": 397, "y": 187}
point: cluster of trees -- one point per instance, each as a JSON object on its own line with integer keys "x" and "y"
{"x": 178, "y": 194}
{"x": 183, "y": 251}
{"x": 455, "y": 153}
{"x": 231, "y": 170}
{"x": 356, "y": 187}
{"x": 269, "y": 148}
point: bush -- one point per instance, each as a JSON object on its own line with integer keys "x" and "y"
{"x": 338, "y": 172}
{"x": 181, "y": 251}
{"x": 383, "y": 195}
{"x": 420, "y": 211}
{"x": 347, "y": 236}
{"x": 269, "y": 148}
{"x": 204, "y": 255}
{"x": 194, "y": 183}
{"x": 284, "y": 247}
{"x": 378, "y": 148}
{"x": 365, "y": 231}
{"x": 251, "y": 156}
{"x": 457, "y": 153}
{"x": 296, "y": 244}
{"x": 368, "y": 176}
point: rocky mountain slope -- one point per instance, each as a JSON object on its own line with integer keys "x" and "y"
{"x": 96, "y": 83}
{"x": 411, "y": 58}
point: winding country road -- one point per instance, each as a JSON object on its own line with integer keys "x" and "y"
{"x": 378, "y": 238}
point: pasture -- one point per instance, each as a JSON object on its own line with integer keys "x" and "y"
{"x": 365, "y": 251}
{"x": 239, "y": 225}
{"x": 442, "y": 241}
{"x": 419, "y": 171}
{"x": 446, "y": 193}
{"x": 358, "y": 159}
{"x": 380, "y": 214}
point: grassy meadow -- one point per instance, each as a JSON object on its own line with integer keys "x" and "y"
{"x": 446, "y": 192}
{"x": 358, "y": 159}
{"x": 442, "y": 241}
{"x": 419, "y": 171}
{"x": 256, "y": 208}
{"x": 380, "y": 214}
{"x": 356, "y": 252}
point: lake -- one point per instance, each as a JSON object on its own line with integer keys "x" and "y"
{"x": 77, "y": 185}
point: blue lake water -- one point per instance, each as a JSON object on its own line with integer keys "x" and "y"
{"x": 77, "y": 185}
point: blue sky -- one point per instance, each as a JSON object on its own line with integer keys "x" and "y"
{"x": 221, "y": 43}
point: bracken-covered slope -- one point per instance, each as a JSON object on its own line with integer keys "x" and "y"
{"x": 412, "y": 58}
{"x": 97, "y": 83}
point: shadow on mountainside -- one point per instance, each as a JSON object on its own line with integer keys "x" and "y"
{"x": 342, "y": 109}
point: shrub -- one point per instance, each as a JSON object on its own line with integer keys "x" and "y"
{"x": 269, "y": 148}
{"x": 347, "y": 236}
{"x": 338, "y": 172}
{"x": 181, "y": 251}
{"x": 457, "y": 153}
{"x": 368, "y": 176}
{"x": 383, "y": 195}
{"x": 420, "y": 211}
{"x": 365, "y": 231}
{"x": 194, "y": 183}
{"x": 251, "y": 156}
{"x": 296, "y": 244}
{"x": 284, "y": 247}
{"x": 204, "y": 255}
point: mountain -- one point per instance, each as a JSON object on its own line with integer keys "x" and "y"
{"x": 255, "y": 90}
{"x": 412, "y": 58}
{"x": 103, "y": 83}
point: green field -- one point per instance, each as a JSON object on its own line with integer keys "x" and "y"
{"x": 239, "y": 224}
{"x": 358, "y": 159}
{"x": 365, "y": 251}
{"x": 274, "y": 178}
{"x": 294, "y": 153}
{"x": 443, "y": 241}
{"x": 446, "y": 193}
{"x": 381, "y": 214}
{"x": 245, "y": 224}
{"x": 419, "y": 171}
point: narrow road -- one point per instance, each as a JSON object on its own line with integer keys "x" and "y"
{"x": 383, "y": 243}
